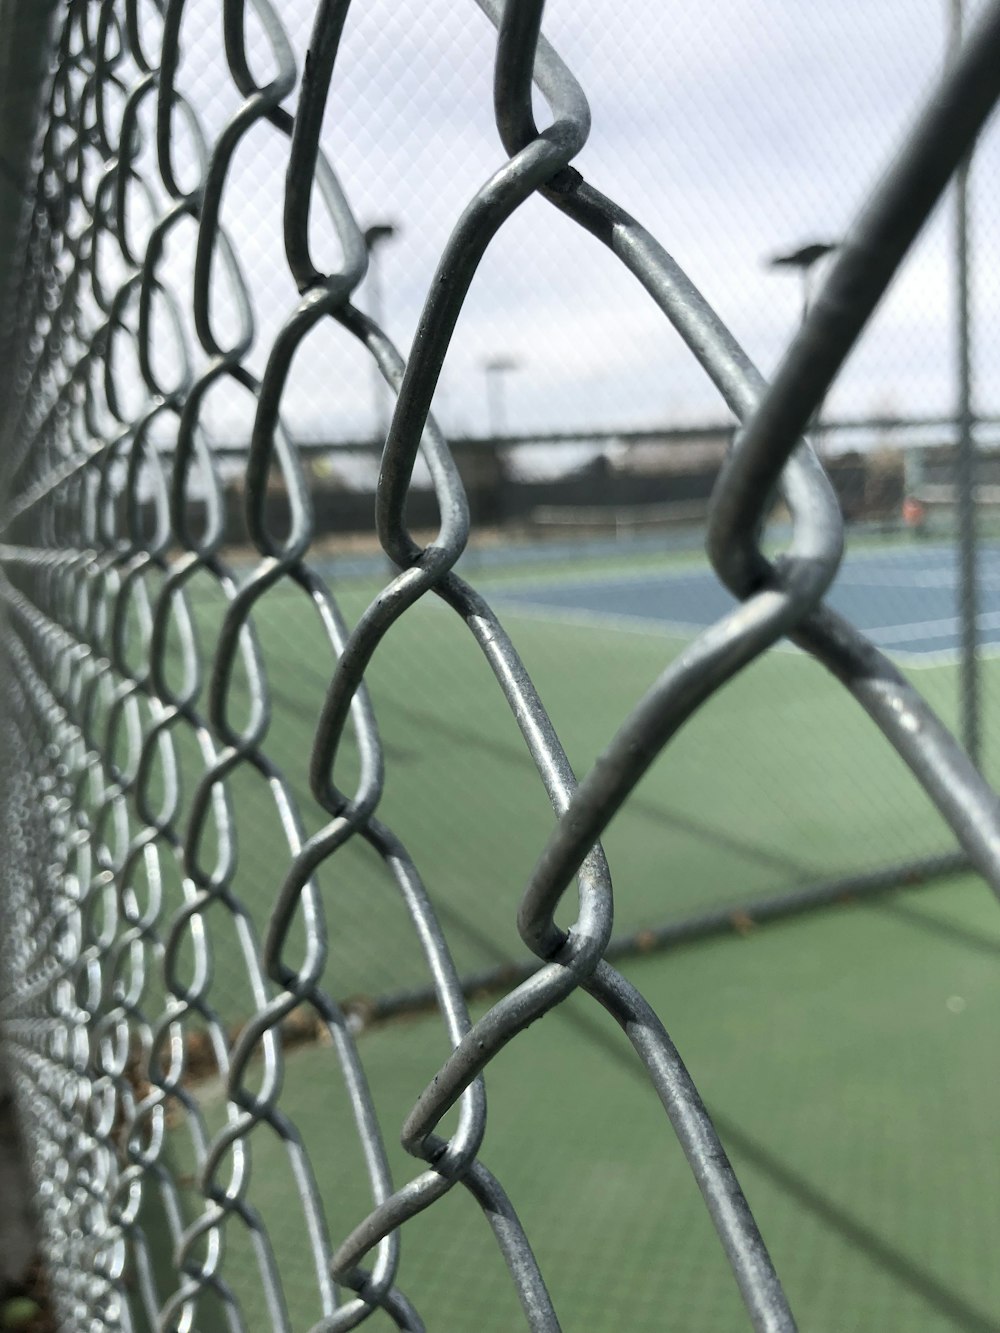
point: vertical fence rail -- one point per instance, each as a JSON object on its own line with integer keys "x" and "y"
{"x": 965, "y": 458}
{"x": 116, "y": 690}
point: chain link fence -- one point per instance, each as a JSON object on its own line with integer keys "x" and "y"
{"x": 273, "y": 769}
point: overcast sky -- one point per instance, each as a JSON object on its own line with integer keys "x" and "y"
{"x": 730, "y": 129}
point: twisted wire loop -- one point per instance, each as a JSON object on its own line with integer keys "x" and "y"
{"x": 117, "y": 875}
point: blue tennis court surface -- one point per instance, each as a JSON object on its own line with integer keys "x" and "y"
{"x": 904, "y": 599}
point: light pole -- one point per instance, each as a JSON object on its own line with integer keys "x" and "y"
{"x": 802, "y": 261}
{"x": 496, "y": 404}
{"x": 374, "y": 237}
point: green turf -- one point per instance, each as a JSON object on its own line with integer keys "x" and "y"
{"x": 780, "y": 782}
{"x": 847, "y": 1078}
{"x": 845, "y": 1056}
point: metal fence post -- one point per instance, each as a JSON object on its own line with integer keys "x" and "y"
{"x": 965, "y": 460}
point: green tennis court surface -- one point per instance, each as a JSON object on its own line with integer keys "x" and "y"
{"x": 781, "y": 783}
{"x": 844, "y": 1054}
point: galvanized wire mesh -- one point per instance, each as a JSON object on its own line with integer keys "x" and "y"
{"x": 137, "y": 697}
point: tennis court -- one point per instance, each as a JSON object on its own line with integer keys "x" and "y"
{"x": 822, "y": 1034}
{"x": 904, "y": 598}
{"x": 715, "y": 822}
{"x": 818, "y": 1045}
{"x": 815, "y": 1052}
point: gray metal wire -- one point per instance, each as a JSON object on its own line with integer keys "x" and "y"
{"x": 94, "y": 714}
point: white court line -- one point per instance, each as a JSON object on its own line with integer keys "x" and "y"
{"x": 628, "y": 624}
{"x": 581, "y": 619}
{"x": 930, "y": 629}
{"x": 699, "y": 569}
{"x": 895, "y": 633}
{"x": 987, "y": 652}
{"x": 665, "y": 629}
{"x": 927, "y": 579}
{"x": 867, "y": 572}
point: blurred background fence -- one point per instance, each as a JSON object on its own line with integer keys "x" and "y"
{"x": 588, "y": 444}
